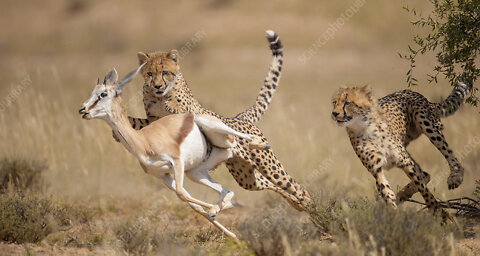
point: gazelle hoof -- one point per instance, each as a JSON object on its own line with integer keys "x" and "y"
{"x": 213, "y": 211}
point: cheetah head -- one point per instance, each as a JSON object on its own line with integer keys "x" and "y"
{"x": 351, "y": 104}
{"x": 160, "y": 71}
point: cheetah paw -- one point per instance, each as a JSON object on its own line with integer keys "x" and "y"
{"x": 446, "y": 217}
{"x": 455, "y": 178}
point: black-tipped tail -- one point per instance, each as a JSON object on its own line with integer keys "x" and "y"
{"x": 255, "y": 112}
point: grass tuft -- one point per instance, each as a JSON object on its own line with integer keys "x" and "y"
{"x": 136, "y": 236}
{"x": 373, "y": 227}
{"x": 273, "y": 233}
{"x": 30, "y": 219}
{"x": 22, "y": 175}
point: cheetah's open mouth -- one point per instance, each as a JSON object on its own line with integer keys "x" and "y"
{"x": 345, "y": 120}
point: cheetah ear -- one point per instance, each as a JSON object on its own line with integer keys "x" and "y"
{"x": 368, "y": 90}
{"x": 142, "y": 57}
{"x": 343, "y": 87}
{"x": 173, "y": 55}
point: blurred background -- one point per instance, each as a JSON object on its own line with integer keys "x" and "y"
{"x": 51, "y": 53}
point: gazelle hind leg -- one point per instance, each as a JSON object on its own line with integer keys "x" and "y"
{"x": 179, "y": 172}
{"x": 167, "y": 179}
{"x": 200, "y": 175}
{"x": 221, "y": 135}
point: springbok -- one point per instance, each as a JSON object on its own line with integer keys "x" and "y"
{"x": 174, "y": 144}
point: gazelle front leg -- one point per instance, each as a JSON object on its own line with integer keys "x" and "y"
{"x": 170, "y": 183}
{"x": 179, "y": 173}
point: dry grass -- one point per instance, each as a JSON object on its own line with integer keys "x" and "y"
{"x": 51, "y": 60}
{"x": 29, "y": 219}
{"x": 21, "y": 175}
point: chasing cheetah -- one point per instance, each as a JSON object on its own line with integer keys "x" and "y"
{"x": 380, "y": 132}
{"x": 165, "y": 92}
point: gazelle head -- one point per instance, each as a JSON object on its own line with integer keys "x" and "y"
{"x": 100, "y": 101}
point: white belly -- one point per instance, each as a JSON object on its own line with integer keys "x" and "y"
{"x": 193, "y": 149}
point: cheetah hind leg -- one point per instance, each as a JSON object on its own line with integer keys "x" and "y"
{"x": 291, "y": 199}
{"x": 432, "y": 128}
{"x": 410, "y": 189}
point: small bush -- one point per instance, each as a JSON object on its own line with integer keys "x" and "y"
{"x": 30, "y": 219}
{"x": 139, "y": 237}
{"x": 373, "y": 227}
{"x": 22, "y": 175}
{"x": 25, "y": 219}
{"x": 135, "y": 235}
{"x": 274, "y": 233}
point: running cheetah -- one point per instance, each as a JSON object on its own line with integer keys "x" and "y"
{"x": 166, "y": 92}
{"x": 380, "y": 132}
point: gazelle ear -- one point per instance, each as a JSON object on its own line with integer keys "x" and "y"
{"x": 126, "y": 79}
{"x": 142, "y": 57}
{"x": 111, "y": 77}
{"x": 173, "y": 55}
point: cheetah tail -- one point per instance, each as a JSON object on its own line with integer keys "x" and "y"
{"x": 453, "y": 102}
{"x": 255, "y": 112}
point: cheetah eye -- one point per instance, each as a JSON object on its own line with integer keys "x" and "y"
{"x": 334, "y": 102}
{"x": 103, "y": 95}
{"x": 347, "y": 103}
{"x": 165, "y": 73}
{"x": 149, "y": 74}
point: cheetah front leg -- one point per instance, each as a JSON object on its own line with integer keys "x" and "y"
{"x": 432, "y": 129}
{"x": 383, "y": 187}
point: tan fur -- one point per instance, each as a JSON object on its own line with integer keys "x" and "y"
{"x": 380, "y": 132}
{"x": 254, "y": 166}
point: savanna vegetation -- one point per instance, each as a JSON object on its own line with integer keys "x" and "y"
{"x": 67, "y": 188}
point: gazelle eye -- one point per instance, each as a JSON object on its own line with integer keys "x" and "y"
{"x": 149, "y": 74}
{"x": 103, "y": 94}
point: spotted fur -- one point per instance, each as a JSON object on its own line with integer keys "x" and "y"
{"x": 166, "y": 92}
{"x": 380, "y": 132}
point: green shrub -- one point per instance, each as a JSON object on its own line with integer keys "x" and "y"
{"x": 276, "y": 231}
{"x": 135, "y": 235}
{"x": 22, "y": 175}
{"x": 372, "y": 227}
{"x": 25, "y": 219}
{"x": 139, "y": 237}
{"x": 31, "y": 219}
